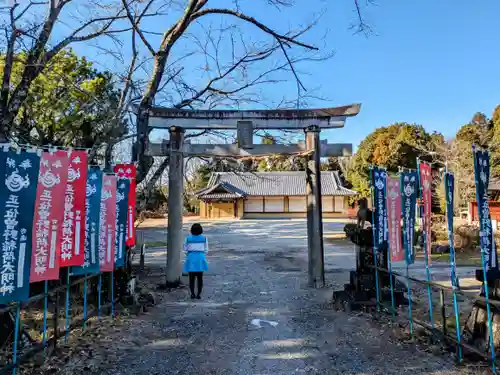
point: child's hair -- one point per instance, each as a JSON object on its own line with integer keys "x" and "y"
{"x": 196, "y": 229}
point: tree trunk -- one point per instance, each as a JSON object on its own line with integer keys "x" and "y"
{"x": 5, "y": 89}
{"x": 108, "y": 155}
{"x": 144, "y": 161}
{"x": 151, "y": 183}
{"x": 34, "y": 65}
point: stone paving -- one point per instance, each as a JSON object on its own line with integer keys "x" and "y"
{"x": 257, "y": 316}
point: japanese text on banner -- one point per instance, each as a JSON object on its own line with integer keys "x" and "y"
{"x": 107, "y": 224}
{"x": 449, "y": 183}
{"x": 482, "y": 177}
{"x": 73, "y": 233}
{"x": 92, "y": 216}
{"x": 409, "y": 196}
{"x": 17, "y": 207}
{"x": 379, "y": 179}
{"x": 122, "y": 189}
{"x": 394, "y": 218}
{"x": 49, "y": 213}
{"x": 426, "y": 183}
{"x": 129, "y": 171}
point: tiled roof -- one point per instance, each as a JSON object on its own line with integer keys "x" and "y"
{"x": 220, "y": 190}
{"x": 273, "y": 184}
{"x": 219, "y": 196}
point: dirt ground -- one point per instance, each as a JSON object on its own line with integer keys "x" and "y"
{"x": 256, "y": 316}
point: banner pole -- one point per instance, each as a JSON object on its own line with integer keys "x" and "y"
{"x": 45, "y": 306}
{"x": 66, "y": 336}
{"x": 393, "y": 304}
{"x": 449, "y": 193}
{"x": 483, "y": 261}
{"x": 375, "y": 248}
{"x": 389, "y": 253}
{"x": 85, "y": 302}
{"x": 426, "y": 255}
{"x": 457, "y": 325}
{"x": 99, "y": 297}
{"x": 16, "y": 338}
{"x": 408, "y": 246}
{"x": 410, "y": 312}
{"x": 113, "y": 294}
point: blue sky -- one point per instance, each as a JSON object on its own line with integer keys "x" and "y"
{"x": 430, "y": 62}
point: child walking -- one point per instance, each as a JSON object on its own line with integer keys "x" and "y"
{"x": 196, "y": 246}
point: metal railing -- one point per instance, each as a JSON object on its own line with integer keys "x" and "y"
{"x": 20, "y": 351}
{"x": 443, "y": 332}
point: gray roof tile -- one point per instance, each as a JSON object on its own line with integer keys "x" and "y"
{"x": 275, "y": 183}
{"x": 220, "y": 190}
{"x": 219, "y": 196}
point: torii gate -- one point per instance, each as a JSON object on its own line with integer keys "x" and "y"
{"x": 311, "y": 121}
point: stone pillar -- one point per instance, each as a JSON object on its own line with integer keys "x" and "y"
{"x": 316, "y": 267}
{"x": 175, "y": 208}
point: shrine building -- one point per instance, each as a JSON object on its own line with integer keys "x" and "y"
{"x": 269, "y": 195}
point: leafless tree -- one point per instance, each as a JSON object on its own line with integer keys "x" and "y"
{"x": 28, "y": 33}
{"x": 234, "y": 64}
{"x": 229, "y": 59}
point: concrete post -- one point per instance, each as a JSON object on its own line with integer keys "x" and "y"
{"x": 175, "y": 208}
{"x": 316, "y": 269}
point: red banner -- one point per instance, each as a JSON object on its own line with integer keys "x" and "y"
{"x": 394, "y": 211}
{"x": 73, "y": 228}
{"x": 107, "y": 223}
{"x": 426, "y": 184}
{"x": 129, "y": 171}
{"x": 49, "y": 213}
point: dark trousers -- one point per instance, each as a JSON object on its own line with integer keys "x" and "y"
{"x": 192, "y": 277}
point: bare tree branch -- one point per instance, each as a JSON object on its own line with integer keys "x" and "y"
{"x": 135, "y": 24}
{"x": 283, "y": 38}
{"x": 361, "y": 26}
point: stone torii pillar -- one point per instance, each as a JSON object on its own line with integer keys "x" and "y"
{"x": 316, "y": 263}
{"x": 175, "y": 207}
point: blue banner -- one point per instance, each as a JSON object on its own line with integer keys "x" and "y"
{"x": 122, "y": 190}
{"x": 482, "y": 177}
{"x": 379, "y": 184}
{"x": 449, "y": 183}
{"x": 17, "y": 207}
{"x": 92, "y": 216}
{"x": 409, "y": 194}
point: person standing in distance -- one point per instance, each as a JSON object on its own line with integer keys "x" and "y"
{"x": 195, "y": 263}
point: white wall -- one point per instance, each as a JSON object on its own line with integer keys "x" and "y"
{"x": 254, "y": 205}
{"x": 340, "y": 204}
{"x": 297, "y": 204}
{"x": 327, "y": 204}
{"x": 274, "y": 204}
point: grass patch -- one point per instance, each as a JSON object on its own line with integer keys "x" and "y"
{"x": 156, "y": 244}
{"x": 462, "y": 258}
{"x": 335, "y": 236}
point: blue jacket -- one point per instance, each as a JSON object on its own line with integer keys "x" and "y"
{"x": 195, "y": 247}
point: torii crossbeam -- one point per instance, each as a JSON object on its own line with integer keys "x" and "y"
{"x": 311, "y": 121}
{"x": 274, "y": 119}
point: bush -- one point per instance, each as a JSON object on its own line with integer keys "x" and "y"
{"x": 441, "y": 235}
{"x": 152, "y": 214}
{"x": 466, "y": 237}
{"x": 438, "y": 220}
{"x": 419, "y": 237}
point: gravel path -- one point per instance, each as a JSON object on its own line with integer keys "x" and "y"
{"x": 297, "y": 332}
